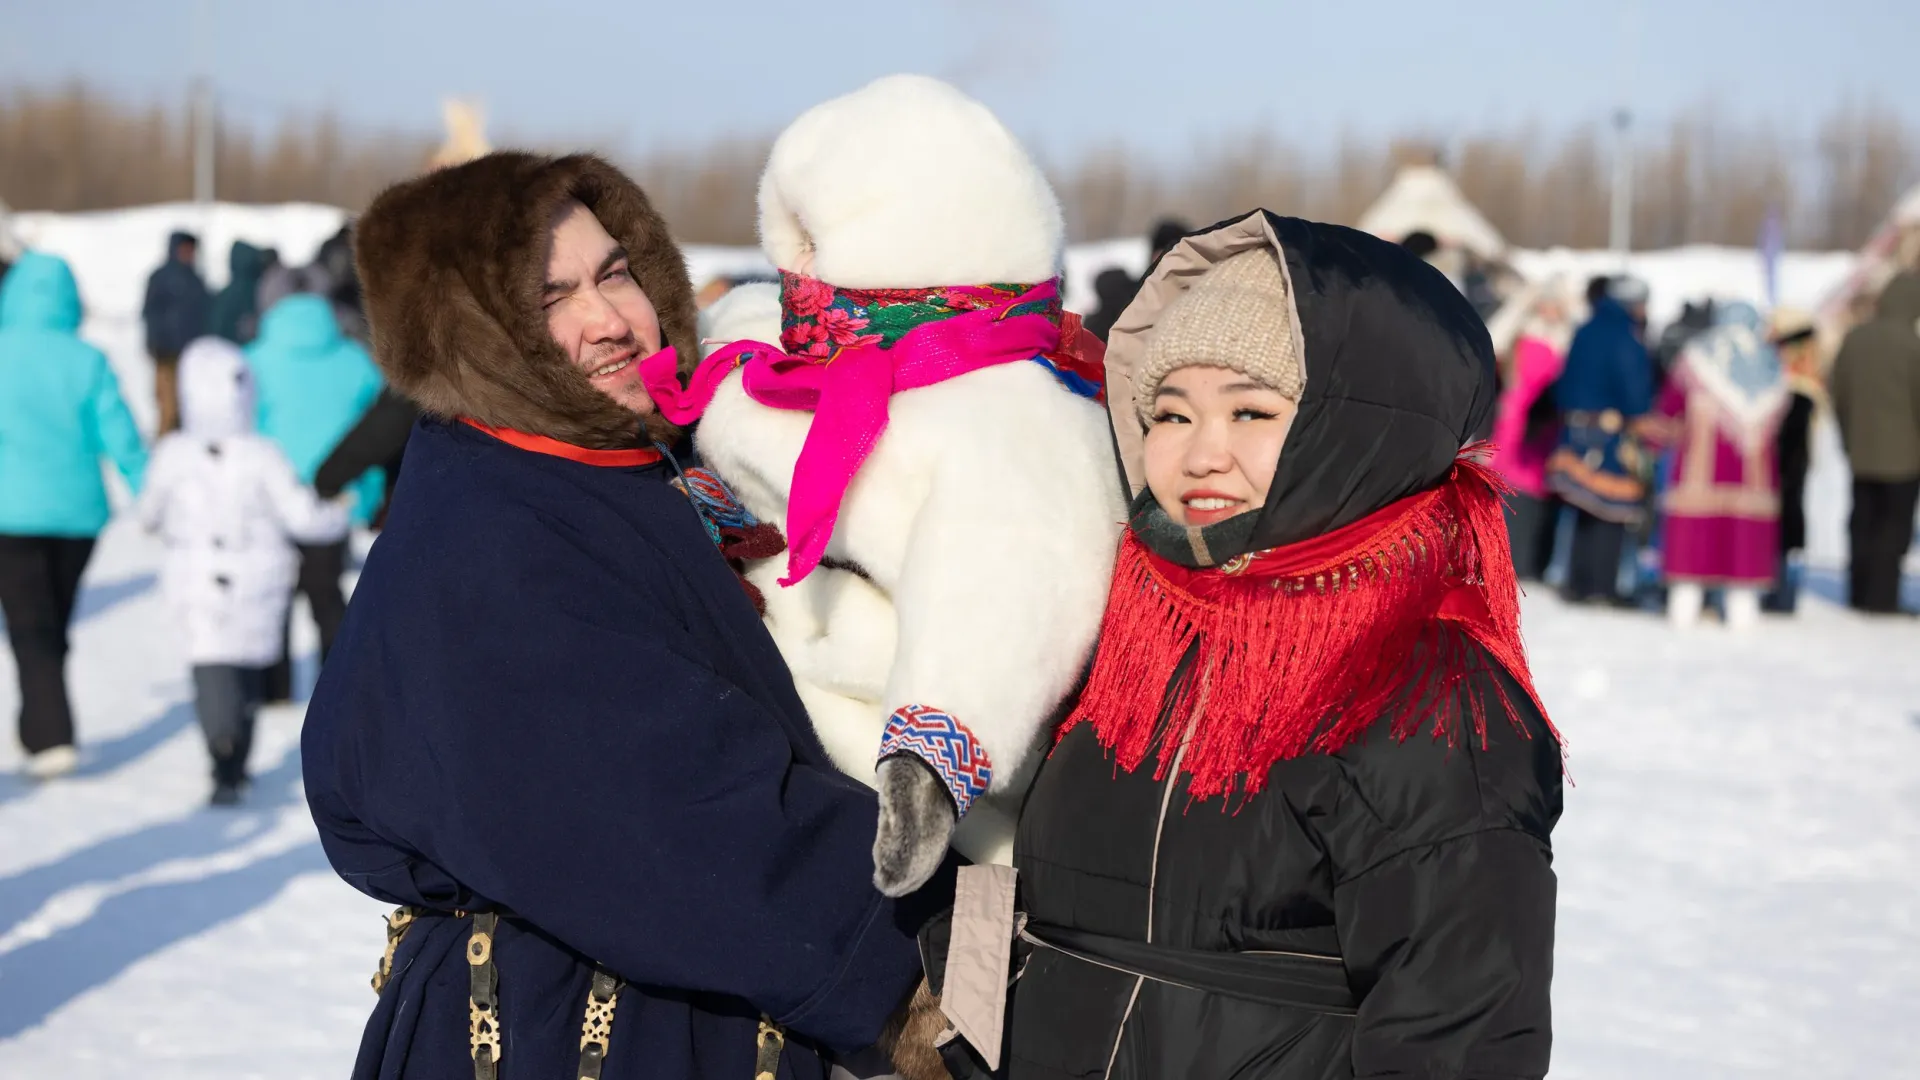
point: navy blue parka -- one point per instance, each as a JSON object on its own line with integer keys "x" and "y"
{"x": 552, "y": 698}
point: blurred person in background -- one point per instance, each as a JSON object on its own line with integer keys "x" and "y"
{"x": 1876, "y": 399}
{"x": 283, "y": 280}
{"x": 1695, "y": 319}
{"x": 314, "y": 384}
{"x": 1116, "y": 288}
{"x": 9, "y": 245}
{"x": 335, "y": 260}
{"x": 1531, "y": 335}
{"x": 1598, "y": 467}
{"x": 230, "y": 508}
{"x": 378, "y": 440}
{"x": 234, "y": 314}
{"x": 1719, "y": 414}
{"x": 1794, "y": 336}
{"x": 176, "y": 311}
{"x": 60, "y": 414}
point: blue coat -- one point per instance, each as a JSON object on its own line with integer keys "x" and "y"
{"x": 60, "y": 409}
{"x": 1607, "y": 367}
{"x": 177, "y": 304}
{"x": 553, "y": 698}
{"x": 314, "y": 384}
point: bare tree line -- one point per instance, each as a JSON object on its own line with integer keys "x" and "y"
{"x": 1701, "y": 177}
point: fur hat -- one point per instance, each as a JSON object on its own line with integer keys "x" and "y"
{"x": 907, "y": 183}
{"x": 452, "y": 265}
{"x": 1235, "y": 316}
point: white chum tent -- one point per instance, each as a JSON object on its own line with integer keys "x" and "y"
{"x": 1425, "y": 198}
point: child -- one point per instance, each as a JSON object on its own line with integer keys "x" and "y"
{"x": 230, "y": 507}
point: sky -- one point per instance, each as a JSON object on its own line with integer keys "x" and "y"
{"x": 1160, "y": 76}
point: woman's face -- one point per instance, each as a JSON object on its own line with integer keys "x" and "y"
{"x": 1213, "y": 443}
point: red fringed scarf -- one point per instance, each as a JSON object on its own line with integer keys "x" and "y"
{"x": 1302, "y": 648}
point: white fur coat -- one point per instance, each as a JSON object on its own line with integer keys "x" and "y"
{"x": 986, "y": 517}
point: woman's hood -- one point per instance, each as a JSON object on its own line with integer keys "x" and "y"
{"x": 216, "y": 390}
{"x": 245, "y": 262}
{"x": 1399, "y": 373}
{"x": 39, "y": 294}
{"x": 302, "y": 323}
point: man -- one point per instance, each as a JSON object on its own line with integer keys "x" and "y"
{"x": 552, "y": 725}
{"x": 1607, "y": 384}
{"x": 176, "y": 311}
{"x": 1876, "y": 398}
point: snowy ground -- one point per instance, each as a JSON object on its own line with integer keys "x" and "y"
{"x": 1739, "y": 861}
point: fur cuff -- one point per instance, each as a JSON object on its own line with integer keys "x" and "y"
{"x": 943, "y": 743}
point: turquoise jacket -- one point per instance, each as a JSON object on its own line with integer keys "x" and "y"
{"x": 314, "y": 383}
{"x": 60, "y": 409}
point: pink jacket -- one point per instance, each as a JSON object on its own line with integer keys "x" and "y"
{"x": 1536, "y": 364}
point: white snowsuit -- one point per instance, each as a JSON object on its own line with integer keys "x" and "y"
{"x": 985, "y": 518}
{"x": 230, "y": 508}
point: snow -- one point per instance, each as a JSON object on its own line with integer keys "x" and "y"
{"x": 1738, "y": 859}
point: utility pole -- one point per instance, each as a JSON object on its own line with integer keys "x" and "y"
{"x": 1620, "y": 223}
{"x": 1620, "y": 227}
{"x": 203, "y": 109}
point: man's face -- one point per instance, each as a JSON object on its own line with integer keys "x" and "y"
{"x": 186, "y": 252}
{"x": 596, "y": 311}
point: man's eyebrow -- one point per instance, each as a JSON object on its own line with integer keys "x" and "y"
{"x": 563, "y": 288}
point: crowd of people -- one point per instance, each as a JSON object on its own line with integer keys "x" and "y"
{"x": 264, "y": 392}
{"x": 1213, "y": 599}
{"x": 1697, "y": 448}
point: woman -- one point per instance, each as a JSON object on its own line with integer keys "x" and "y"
{"x": 1298, "y": 824}
{"x": 1531, "y": 335}
{"x": 1721, "y": 413}
{"x": 60, "y": 414}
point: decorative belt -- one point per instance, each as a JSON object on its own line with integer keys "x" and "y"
{"x": 483, "y": 1002}
{"x": 1610, "y": 421}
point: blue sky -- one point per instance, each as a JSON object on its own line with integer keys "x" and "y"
{"x": 1067, "y": 75}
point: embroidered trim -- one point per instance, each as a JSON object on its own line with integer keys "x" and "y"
{"x": 944, "y": 743}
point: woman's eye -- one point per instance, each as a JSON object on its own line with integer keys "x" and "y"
{"x": 1251, "y": 414}
{"x": 1170, "y": 418}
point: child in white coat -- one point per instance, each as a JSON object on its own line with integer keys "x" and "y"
{"x": 230, "y": 507}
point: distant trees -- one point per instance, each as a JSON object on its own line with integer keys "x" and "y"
{"x": 1699, "y": 177}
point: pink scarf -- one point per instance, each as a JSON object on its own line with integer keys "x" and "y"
{"x": 847, "y": 393}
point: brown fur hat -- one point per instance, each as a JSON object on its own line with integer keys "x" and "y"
{"x": 452, "y": 265}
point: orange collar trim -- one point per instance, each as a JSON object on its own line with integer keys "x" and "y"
{"x": 541, "y": 444}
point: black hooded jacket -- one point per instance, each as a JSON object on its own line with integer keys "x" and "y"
{"x": 1386, "y": 910}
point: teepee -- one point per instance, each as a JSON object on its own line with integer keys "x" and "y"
{"x": 466, "y": 134}
{"x": 1423, "y": 198}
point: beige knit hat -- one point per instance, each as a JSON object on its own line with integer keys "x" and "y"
{"x": 1235, "y": 316}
